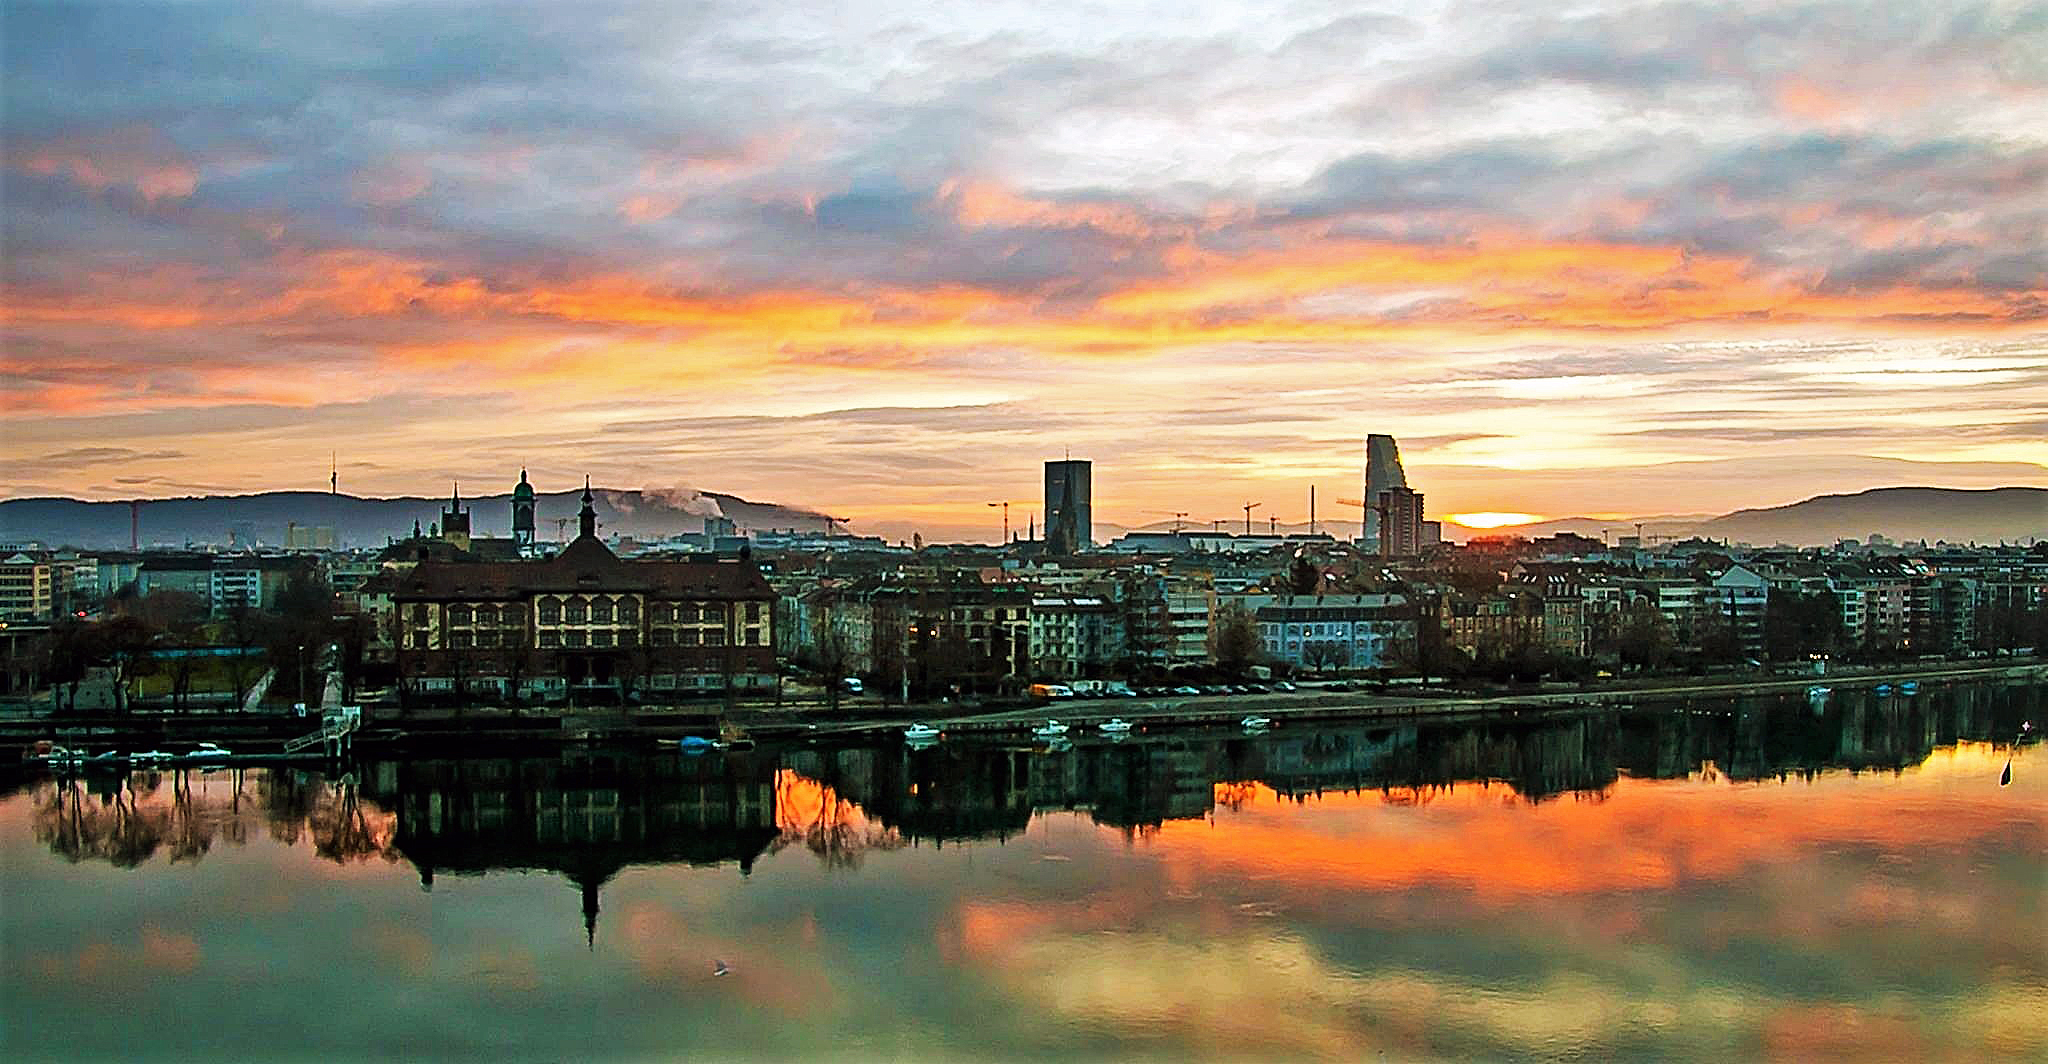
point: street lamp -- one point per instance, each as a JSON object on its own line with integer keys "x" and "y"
{"x": 1006, "y": 522}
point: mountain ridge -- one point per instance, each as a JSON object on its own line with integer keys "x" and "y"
{"x": 1902, "y": 513}
{"x": 261, "y": 518}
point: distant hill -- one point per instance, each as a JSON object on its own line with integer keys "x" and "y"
{"x": 365, "y": 522}
{"x": 1957, "y": 515}
{"x": 1906, "y": 515}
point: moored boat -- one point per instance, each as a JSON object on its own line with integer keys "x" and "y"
{"x": 1051, "y": 729}
{"x": 921, "y": 732}
{"x": 1115, "y": 726}
{"x": 1255, "y": 722}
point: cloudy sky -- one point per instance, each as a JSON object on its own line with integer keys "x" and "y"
{"x": 883, "y": 259}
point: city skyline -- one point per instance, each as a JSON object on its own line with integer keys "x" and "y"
{"x": 1632, "y": 261}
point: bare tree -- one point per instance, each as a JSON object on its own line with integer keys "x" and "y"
{"x": 1234, "y": 641}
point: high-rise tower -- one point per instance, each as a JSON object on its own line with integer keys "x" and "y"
{"x": 522, "y": 515}
{"x": 1383, "y": 473}
{"x": 1069, "y": 507}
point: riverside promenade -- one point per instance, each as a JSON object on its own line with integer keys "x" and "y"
{"x": 489, "y": 727}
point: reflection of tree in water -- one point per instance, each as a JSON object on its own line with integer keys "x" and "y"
{"x": 342, "y": 831}
{"x": 1235, "y": 796}
{"x": 817, "y": 817}
{"x": 127, "y": 820}
{"x": 1416, "y": 794}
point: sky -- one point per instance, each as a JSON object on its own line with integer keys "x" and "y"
{"x": 882, "y": 260}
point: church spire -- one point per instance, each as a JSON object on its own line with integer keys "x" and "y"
{"x": 586, "y": 519}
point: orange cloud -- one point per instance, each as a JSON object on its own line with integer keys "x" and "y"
{"x": 137, "y": 158}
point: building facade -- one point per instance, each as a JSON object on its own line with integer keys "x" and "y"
{"x": 583, "y": 621}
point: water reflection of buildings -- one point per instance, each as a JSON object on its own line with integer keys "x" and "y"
{"x": 958, "y": 791}
{"x": 586, "y": 813}
{"x": 583, "y": 813}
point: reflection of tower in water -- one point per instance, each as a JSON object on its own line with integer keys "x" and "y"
{"x": 584, "y": 814}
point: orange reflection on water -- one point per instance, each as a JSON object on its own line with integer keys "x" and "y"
{"x": 1469, "y": 922}
{"x": 1638, "y": 834}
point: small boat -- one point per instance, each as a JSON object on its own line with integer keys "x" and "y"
{"x": 921, "y": 732}
{"x": 695, "y": 744}
{"x": 1817, "y": 692}
{"x": 206, "y": 750}
{"x": 1910, "y": 687}
{"x": 1051, "y": 729}
{"x": 1254, "y": 722}
{"x": 1884, "y": 689}
{"x": 1115, "y": 726}
{"x": 150, "y": 757}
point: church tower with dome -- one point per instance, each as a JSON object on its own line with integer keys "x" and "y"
{"x": 522, "y": 515}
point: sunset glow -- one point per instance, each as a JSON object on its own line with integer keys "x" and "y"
{"x": 1493, "y": 520}
{"x": 884, "y": 266}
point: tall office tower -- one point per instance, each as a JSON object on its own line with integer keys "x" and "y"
{"x": 1382, "y": 473}
{"x": 1400, "y": 514}
{"x": 1069, "y": 512}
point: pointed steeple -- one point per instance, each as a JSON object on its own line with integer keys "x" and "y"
{"x": 586, "y": 519}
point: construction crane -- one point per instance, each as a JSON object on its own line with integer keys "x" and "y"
{"x": 1179, "y": 517}
{"x": 1005, "y": 504}
{"x": 1248, "y": 507}
{"x": 830, "y": 521}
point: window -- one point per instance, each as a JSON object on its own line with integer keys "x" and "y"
{"x": 664, "y": 637}
{"x": 572, "y": 638}
{"x": 686, "y": 613}
{"x": 753, "y": 637}
{"x": 629, "y": 611}
{"x": 419, "y": 613}
{"x": 753, "y": 613}
{"x": 714, "y": 638}
{"x": 460, "y": 615}
{"x": 460, "y": 640}
{"x": 550, "y": 639}
{"x": 601, "y": 611}
{"x": 487, "y": 638}
{"x": 628, "y": 637}
{"x": 550, "y": 611}
{"x": 689, "y": 637}
{"x": 573, "y": 612}
{"x": 600, "y": 638}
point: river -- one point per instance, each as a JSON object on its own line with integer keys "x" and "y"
{"x": 1749, "y": 878}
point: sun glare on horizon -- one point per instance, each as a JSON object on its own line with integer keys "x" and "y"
{"x": 1490, "y": 519}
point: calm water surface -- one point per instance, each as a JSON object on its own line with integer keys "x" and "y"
{"x": 1739, "y": 880}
